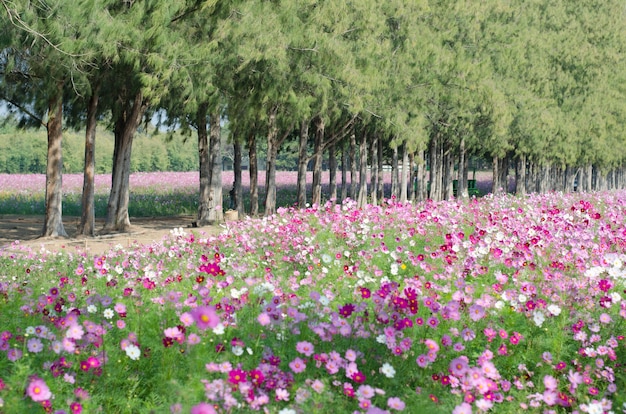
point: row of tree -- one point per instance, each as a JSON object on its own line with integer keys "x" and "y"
{"x": 421, "y": 85}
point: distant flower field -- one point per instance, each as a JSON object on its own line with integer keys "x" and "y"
{"x": 497, "y": 304}
{"x": 152, "y": 194}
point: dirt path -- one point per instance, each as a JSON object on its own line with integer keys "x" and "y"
{"x": 144, "y": 231}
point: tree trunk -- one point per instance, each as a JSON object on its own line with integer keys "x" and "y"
{"x": 332, "y": 173}
{"x": 125, "y": 126}
{"x": 205, "y": 165}
{"x": 374, "y": 166}
{"x": 570, "y": 177}
{"x": 500, "y": 175}
{"x": 411, "y": 176}
{"x": 448, "y": 173}
{"x": 461, "y": 182}
{"x": 238, "y": 187}
{"x": 303, "y": 161}
{"x": 544, "y": 178}
{"x": 216, "y": 194}
{"x": 395, "y": 174}
{"x": 53, "y": 224}
{"x": 436, "y": 164}
{"x": 353, "y": 186}
{"x": 344, "y": 173}
{"x": 588, "y": 180}
{"x": 87, "y": 226}
{"x": 254, "y": 175}
{"x": 404, "y": 176}
{"x": 270, "y": 165}
{"x": 316, "y": 197}
{"x": 381, "y": 179}
{"x": 520, "y": 175}
{"x": 504, "y": 173}
{"x": 420, "y": 187}
{"x": 362, "y": 198}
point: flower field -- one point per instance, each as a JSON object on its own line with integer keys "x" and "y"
{"x": 156, "y": 193}
{"x": 497, "y": 304}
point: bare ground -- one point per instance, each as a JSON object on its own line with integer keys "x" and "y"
{"x": 144, "y": 231}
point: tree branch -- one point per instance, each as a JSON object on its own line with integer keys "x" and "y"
{"x": 22, "y": 109}
{"x": 345, "y": 130}
{"x": 15, "y": 20}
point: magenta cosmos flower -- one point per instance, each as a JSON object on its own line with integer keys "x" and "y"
{"x": 203, "y": 408}
{"x": 205, "y": 317}
{"x": 38, "y": 390}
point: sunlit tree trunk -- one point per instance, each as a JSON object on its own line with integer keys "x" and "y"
{"x": 404, "y": 176}
{"x": 436, "y": 168}
{"x": 412, "y": 176}
{"x": 316, "y": 197}
{"x": 303, "y": 161}
{"x": 362, "y": 197}
{"x": 87, "y": 226}
{"x": 381, "y": 162}
{"x": 270, "y": 165}
{"x": 373, "y": 175}
{"x": 216, "y": 197}
{"x": 344, "y": 173}
{"x": 332, "y": 173}
{"x": 461, "y": 185}
{"x": 420, "y": 188}
{"x": 448, "y": 173}
{"x": 53, "y": 224}
{"x": 204, "y": 165}
{"x": 353, "y": 181}
{"x": 395, "y": 174}
{"x": 254, "y": 175}
{"x": 126, "y": 124}
{"x": 238, "y": 187}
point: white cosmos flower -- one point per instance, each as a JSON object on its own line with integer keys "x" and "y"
{"x": 219, "y": 329}
{"x": 554, "y": 309}
{"x": 108, "y": 313}
{"x": 133, "y": 352}
{"x": 387, "y": 370}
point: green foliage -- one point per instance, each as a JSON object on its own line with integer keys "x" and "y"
{"x": 24, "y": 151}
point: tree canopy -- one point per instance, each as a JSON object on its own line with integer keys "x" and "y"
{"x": 540, "y": 82}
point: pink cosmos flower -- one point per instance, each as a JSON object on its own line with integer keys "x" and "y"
{"x": 476, "y": 312}
{"x": 264, "y": 319}
{"x": 464, "y": 408}
{"x": 458, "y": 367}
{"x": 305, "y": 348}
{"x": 431, "y": 345}
{"x": 550, "y": 382}
{"x": 203, "y": 408}
{"x": 186, "y": 319}
{"x": 75, "y": 331}
{"x": 365, "y": 391}
{"x": 318, "y": 386}
{"x": 395, "y": 403}
{"x": 38, "y": 391}
{"x": 205, "y": 317}
{"x": 282, "y": 394}
{"x": 297, "y": 365}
